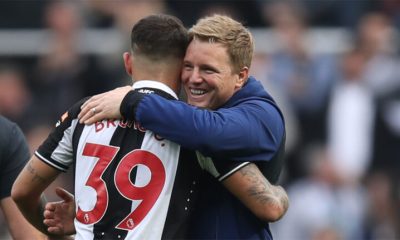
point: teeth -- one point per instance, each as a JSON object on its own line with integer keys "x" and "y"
{"x": 197, "y": 91}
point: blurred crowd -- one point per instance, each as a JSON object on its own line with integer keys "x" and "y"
{"x": 342, "y": 108}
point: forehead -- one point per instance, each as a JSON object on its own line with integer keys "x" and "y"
{"x": 210, "y": 52}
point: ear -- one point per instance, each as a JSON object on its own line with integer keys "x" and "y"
{"x": 128, "y": 62}
{"x": 243, "y": 76}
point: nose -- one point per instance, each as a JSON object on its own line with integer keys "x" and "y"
{"x": 195, "y": 76}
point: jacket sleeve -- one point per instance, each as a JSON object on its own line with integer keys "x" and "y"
{"x": 249, "y": 131}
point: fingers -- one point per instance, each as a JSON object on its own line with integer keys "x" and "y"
{"x": 88, "y": 112}
{"x": 55, "y": 230}
{"x": 51, "y": 206}
{"x": 95, "y": 118}
{"x": 50, "y": 222}
{"x": 92, "y": 99}
{"x": 48, "y": 214}
{"x": 91, "y": 110}
{"x": 64, "y": 194}
{"x": 92, "y": 116}
{"x": 103, "y": 106}
{"x": 87, "y": 109}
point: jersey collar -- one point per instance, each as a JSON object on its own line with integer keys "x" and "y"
{"x": 154, "y": 84}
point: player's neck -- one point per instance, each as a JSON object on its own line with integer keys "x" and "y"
{"x": 169, "y": 77}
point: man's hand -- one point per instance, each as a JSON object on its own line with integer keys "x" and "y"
{"x": 103, "y": 106}
{"x": 59, "y": 216}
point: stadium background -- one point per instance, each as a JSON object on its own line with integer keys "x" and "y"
{"x": 332, "y": 65}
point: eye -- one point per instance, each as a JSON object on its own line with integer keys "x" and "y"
{"x": 187, "y": 66}
{"x": 209, "y": 70}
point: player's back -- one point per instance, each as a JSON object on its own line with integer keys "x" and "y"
{"x": 124, "y": 176}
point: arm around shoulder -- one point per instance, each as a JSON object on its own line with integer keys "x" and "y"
{"x": 238, "y": 133}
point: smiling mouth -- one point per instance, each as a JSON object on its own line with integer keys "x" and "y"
{"x": 197, "y": 92}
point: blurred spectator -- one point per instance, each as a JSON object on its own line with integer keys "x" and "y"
{"x": 350, "y": 120}
{"x": 189, "y": 11}
{"x": 301, "y": 75}
{"x": 321, "y": 207}
{"x": 60, "y": 70}
{"x": 64, "y": 74}
{"x": 99, "y": 14}
{"x": 128, "y": 12}
{"x": 15, "y": 99}
{"x": 328, "y": 13}
{"x": 259, "y": 70}
{"x": 376, "y": 39}
{"x": 386, "y": 150}
{"x": 391, "y": 9}
{"x": 121, "y": 16}
{"x": 382, "y": 221}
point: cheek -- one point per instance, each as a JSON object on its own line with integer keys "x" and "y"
{"x": 185, "y": 81}
{"x": 226, "y": 89}
{"x": 185, "y": 76}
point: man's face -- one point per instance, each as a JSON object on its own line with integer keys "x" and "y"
{"x": 207, "y": 75}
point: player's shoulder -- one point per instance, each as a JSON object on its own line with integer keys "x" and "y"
{"x": 71, "y": 114}
{"x": 76, "y": 108}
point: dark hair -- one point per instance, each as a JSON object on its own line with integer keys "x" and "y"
{"x": 159, "y": 36}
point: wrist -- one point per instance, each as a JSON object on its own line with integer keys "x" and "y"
{"x": 130, "y": 103}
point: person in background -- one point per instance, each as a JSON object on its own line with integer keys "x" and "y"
{"x": 14, "y": 153}
{"x": 301, "y": 75}
{"x": 15, "y": 96}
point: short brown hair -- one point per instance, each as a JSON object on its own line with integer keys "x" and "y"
{"x": 231, "y": 33}
{"x": 159, "y": 36}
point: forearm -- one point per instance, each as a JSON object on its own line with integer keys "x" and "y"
{"x": 274, "y": 198}
{"x": 28, "y": 188}
{"x": 268, "y": 202}
{"x": 17, "y": 223}
{"x": 32, "y": 210}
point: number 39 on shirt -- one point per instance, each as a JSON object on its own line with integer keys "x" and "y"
{"x": 148, "y": 194}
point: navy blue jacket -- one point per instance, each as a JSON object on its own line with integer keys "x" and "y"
{"x": 249, "y": 127}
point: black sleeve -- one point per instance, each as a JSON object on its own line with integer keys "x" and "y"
{"x": 129, "y": 104}
{"x": 131, "y": 100}
{"x": 46, "y": 149}
{"x": 14, "y": 154}
{"x": 219, "y": 169}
